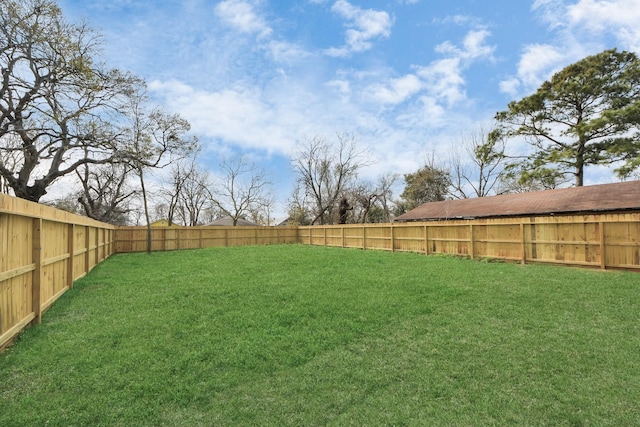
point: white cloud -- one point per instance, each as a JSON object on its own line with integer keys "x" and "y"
{"x": 285, "y": 52}
{"x": 427, "y": 111}
{"x": 551, "y": 11}
{"x": 236, "y": 115}
{"x": 619, "y": 17}
{"x": 363, "y": 25}
{"x": 510, "y": 86}
{"x": 342, "y": 86}
{"x": 579, "y": 29}
{"x": 398, "y": 90}
{"x": 473, "y": 46}
{"x": 538, "y": 62}
{"x": 242, "y": 16}
{"x": 443, "y": 79}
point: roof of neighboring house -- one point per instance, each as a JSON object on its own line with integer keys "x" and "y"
{"x": 589, "y": 199}
{"x": 228, "y": 221}
{"x": 162, "y": 223}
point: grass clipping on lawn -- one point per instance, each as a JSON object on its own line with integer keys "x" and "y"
{"x": 299, "y": 335}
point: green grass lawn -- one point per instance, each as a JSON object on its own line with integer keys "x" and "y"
{"x": 299, "y": 335}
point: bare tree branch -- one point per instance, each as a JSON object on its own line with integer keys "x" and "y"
{"x": 326, "y": 170}
{"x": 241, "y": 189}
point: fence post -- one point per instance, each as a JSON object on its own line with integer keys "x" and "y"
{"x": 70, "y": 249}
{"x": 97, "y": 259}
{"x": 603, "y": 258}
{"x": 87, "y": 232}
{"x": 36, "y": 281}
{"x": 426, "y": 240}
{"x": 342, "y": 232}
{"x": 364, "y": 237}
{"x": 393, "y": 239}
{"x": 523, "y": 246}
{"x": 471, "y": 248}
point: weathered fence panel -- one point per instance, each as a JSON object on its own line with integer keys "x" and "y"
{"x": 43, "y": 251}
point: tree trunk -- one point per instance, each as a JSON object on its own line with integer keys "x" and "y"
{"x": 146, "y": 209}
{"x": 580, "y": 166}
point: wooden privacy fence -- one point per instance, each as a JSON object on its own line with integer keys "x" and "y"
{"x": 603, "y": 241}
{"x": 43, "y": 251}
{"x": 134, "y": 239}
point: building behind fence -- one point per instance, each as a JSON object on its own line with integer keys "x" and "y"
{"x": 44, "y": 250}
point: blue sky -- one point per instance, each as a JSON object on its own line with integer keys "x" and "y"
{"x": 408, "y": 77}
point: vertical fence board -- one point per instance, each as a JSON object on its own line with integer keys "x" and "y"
{"x": 36, "y": 281}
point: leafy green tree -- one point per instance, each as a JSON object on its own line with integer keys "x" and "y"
{"x": 428, "y": 184}
{"x": 587, "y": 114}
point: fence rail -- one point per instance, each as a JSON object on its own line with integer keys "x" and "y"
{"x": 43, "y": 251}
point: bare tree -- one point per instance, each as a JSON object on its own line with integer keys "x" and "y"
{"x": 385, "y": 195}
{"x": 299, "y": 210}
{"x": 9, "y": 160}
{"x": 159, "y": 212}
{"x": 171, "y": 191}
{"x": 155, "y": 139}
{"x": 56, "y": 101}
{"x": 261, "y": 213}
{"x": 195, "y": 195}
{"x": 241, "y": 189}
{"x": 106, "y": 192}
{"x": 325, "y": 172}
{"x": 372, "y": 202}
{"x": 68, "y": 203}
{"x": 477, "y": 168}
